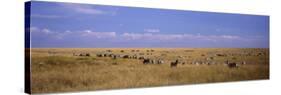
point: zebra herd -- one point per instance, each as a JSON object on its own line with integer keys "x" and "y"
{"x": 151, "y": 61}
{"x": 144, "y": 59}
{"x": 173, "y": 64}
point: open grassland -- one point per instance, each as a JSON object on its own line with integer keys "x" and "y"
{"x": 68, "y": 69}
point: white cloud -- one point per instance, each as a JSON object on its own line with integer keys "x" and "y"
{"x": 150, "y": 36}
{"x": 33, "y": 29}
{"x": 90, "y": 33}
{"x": 132, "y": 36}
{"x": 152, "y": 30}
{"x": 77, "y": 34}
{"x": 229, "y": 37}
{"x": 47, "y": 31}
{"x": 38, "y": 30}
{"x": 86, "y": 9}
{"x": 68, "y": 31}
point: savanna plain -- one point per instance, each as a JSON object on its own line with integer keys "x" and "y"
{"x": 84, "y": 69}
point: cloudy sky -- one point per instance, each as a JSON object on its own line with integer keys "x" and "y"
{"x": 81, "y": 25}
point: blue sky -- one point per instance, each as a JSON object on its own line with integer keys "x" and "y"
{"x": 70, "y": 25}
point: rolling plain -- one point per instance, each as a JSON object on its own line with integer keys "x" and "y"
{"x": 83, "y": 69}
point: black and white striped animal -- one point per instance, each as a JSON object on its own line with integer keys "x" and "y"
{"x": 141, "y": 57}
{"x": 146, "y": 61}
{"x": 99, "y": 55}
{"x": 174, "y": 64}
{"x": 160, "y": 61}
{"x": 126, "y": 56}
{"x": 231, "y": 64}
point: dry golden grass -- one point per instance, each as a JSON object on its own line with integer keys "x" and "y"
{"x": 57, "y": 70}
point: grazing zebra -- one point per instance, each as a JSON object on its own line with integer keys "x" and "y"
{"x": 99, "y": 55}
{"x": 152, "y": 61}
{"x": 141, "y": 57}
{"x": 110, "y": 55}
{"x": 174, "y": 64}
{"x": 160, "y": 62}
{"x": 74, "y": 54}
{"x": 244, "y": 62}
{"x": 126, "y": 56}
{"x": 146, "y": 61}
{"x": 135, "y": 57}
{"x": 232, "y": 65}
{"x": 84, "y": 54}
{"x": 87, "y": 54}
{"x": 114, "y": 56}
